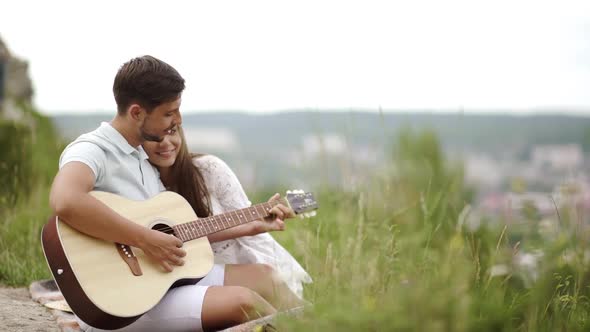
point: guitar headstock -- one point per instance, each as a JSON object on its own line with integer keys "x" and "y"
{"x": 302, "y": 203}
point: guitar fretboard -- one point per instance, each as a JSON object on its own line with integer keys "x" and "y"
{"x": 205, "y": 226}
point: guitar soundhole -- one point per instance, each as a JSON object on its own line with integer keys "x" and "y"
{"x": 164, "y": 229}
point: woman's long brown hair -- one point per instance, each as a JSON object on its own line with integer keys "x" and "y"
{"x": 187, "y": 180}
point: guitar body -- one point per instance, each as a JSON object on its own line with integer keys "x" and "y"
{"x": 99, "y": 284}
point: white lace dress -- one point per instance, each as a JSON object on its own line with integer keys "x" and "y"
{"x": 227, "y": 194}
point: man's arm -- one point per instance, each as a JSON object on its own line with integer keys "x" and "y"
{"x": 70, "y": 200}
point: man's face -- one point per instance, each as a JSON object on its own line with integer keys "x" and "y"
{"x": 161, "y": 120}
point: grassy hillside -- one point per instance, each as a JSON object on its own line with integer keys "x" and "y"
{"x": 29, "y": 157}
{"x": 400, "y": 252}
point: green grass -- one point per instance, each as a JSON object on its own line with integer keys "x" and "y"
{"x": 21, "y": 256}
{"x": 394, "y": 253}
{"x": 397, "y": 254}
{"x": 29, "y": 158}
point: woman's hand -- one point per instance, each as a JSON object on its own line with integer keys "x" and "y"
{"x": 275, "y": 221}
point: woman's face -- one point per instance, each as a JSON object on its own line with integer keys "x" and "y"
{"x": 163, "y": 154}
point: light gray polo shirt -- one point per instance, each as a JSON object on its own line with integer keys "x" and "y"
{"x": 118, "y": 167}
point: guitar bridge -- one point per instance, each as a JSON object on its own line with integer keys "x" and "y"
{"x": 127, "y": 254}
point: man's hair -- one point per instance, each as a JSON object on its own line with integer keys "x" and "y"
{"x": 146, "y": 81}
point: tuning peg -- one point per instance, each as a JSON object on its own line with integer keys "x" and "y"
{"x": 313, "y": 213}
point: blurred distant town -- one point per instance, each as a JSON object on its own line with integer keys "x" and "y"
{"x": 515, "y": 164}
{"x": 553, "y": 176}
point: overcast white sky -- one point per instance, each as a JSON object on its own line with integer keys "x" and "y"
{"x": 275, "y": 55}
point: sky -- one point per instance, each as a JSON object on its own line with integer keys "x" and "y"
{"x": 264, "y": 56}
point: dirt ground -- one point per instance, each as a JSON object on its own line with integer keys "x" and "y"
{"x": 19, "y": 313}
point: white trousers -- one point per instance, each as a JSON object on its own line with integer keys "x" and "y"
{"x": 179, "y": 310}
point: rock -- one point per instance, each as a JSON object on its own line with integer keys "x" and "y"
{"x": 15, "y": 84}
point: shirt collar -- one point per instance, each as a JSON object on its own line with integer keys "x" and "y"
{"x": 115, "y": 136}
{"x": 142, "y": 154}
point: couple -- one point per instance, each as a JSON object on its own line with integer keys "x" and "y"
{"x": 142, "y": 152}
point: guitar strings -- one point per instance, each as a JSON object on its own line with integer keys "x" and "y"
{"x": 208, "y": 222}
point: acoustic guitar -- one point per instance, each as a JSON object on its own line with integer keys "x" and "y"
{"x": 110, "y": 285}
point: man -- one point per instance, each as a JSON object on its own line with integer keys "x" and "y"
{"x": 148, "y": 94}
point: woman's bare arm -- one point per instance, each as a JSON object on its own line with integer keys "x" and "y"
{"x": 275, "y": 223}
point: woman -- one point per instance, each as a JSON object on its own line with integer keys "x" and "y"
{"x": 245, "y": 255}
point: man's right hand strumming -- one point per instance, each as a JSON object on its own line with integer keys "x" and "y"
{"x": 162, "y": 248}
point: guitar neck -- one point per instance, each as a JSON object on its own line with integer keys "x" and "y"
{"x": 205, "y": 226}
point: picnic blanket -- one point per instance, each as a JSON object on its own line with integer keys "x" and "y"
{"x": 46, "y": 293}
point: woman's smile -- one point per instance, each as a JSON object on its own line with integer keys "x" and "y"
{"x": 167, "y": 153}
